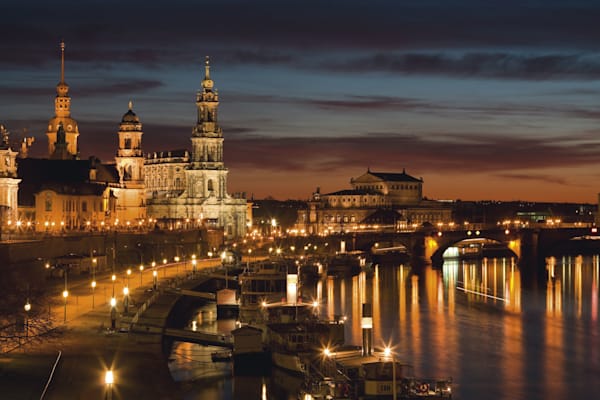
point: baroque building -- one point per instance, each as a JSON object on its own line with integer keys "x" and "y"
{"x": 62, "y": 192}
{"x": 191, "y": 185}
{"x": 9, "y": 183}
{"x": 377, "y": 201}
{"x": 178, "y": 188}
{"x": 130, "y": 193}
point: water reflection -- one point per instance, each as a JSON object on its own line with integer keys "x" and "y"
{"x": 471, "y": 319}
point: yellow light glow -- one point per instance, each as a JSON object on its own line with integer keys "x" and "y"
{"x": 109, "y": 378}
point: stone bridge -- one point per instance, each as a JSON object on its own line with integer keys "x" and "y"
{"x": 429, "y": 246}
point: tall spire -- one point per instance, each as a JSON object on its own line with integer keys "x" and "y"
{"x": 62, "y": 61}
{"x": 207, "y": 83}
{"x": 62, "y": 114}
{"x": 62, "y": 89}
{"x": 207, "y": 68}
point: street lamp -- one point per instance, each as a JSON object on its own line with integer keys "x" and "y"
{"x": 155, "y": 279}
{"x": 27, "y": 307}
{"x": 141, "y": 270}
{"x": 128, "y": 275}
{"x": 126, "y": 298}
{"x": 113, "y": 278}
{"x": 93, "y": 291}
{"x": 387, "y": 353}
{"x": 177, "y": 263}
{"x": 164, "y": 267}
{"x": 109, "y": 379}
{"x": 65, "y": 295}
{"x": 193, "y": 264}
{"x": 113, "y": 312}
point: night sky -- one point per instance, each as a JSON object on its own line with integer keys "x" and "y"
{"x": 484, "y": 100}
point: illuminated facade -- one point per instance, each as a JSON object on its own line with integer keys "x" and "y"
{"x": 131, "y": 192}
{"x": 377, "y": 201}
{"x": 9, "y": 183}
{"x": 192, "y": 186}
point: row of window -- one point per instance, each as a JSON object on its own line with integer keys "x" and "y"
{"x": 392, "y": 187}
{"x": 75, "y": 205}
{"x": 339, "y": 218}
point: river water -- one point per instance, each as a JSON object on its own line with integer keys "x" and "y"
{"x": 475, "y": 321}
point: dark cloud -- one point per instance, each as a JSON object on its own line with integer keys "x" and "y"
{"x": 459, "y": 153}
{"x": 260, "y": 56}
{"x": 552, "y": 179}
{"x": 136, "y": 31}
{"x": 118, "y": 88}
{"x": 482, "y": 65}
{"x": 352, "y": 103}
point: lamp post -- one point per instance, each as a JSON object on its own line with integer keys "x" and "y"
{"x": 27, "y": 307}
{"x": 65, "y": 295}
{"x": 113, "y": 313}
{"x": 141, "y": 270}
{"x": 126, "y": 298}
{"x": 387, "y": 353}
{"x": 177, "y": 263}
{"x": 113, "y": 278}
{"x": 93, "y": 291}
{"x": 109, "y": 379}
{"x": 155, "y": 279}
{"x": 128, "y": 275}
{"x": 164, "y": 267}
{"x": 193, "y": 264}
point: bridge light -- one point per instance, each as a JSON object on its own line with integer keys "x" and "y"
{"x": 506, "y": 231}
{"x": 594, "y": 230}
{"x": 477, "y": 232}
{"x": 439, "y": 233}
{"x": 469, "y": 233}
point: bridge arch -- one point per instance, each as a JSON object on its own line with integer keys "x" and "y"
{"x": 436, "y": 245}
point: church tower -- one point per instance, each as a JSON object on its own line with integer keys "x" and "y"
{"x": 207, "y": 174}
{"x": 130, "y": 165}
{"x": 9, "y": 184}
{"x": 62, "y": 115}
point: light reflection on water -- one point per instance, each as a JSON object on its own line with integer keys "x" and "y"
{"x": 472, "y": 320}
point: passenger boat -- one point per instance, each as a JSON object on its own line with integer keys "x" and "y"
{"x": 379, "y": 382}
{"x": 294, "y": 345}
{"x": 295, "y": 335}
{"x": 260, "y": 284}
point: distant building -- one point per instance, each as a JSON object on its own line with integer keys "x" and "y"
{"x": 191, "y": 186}
{"x": 377, "y": 201}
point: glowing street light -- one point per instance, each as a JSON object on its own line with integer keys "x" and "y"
{"x": 65, "y": 294}
{"x": 113, "y": 278}
{"x": 126, "y": 298}
{"x": 113, "y": 313}
{"x": 141, "y": 270}
{"x": 27, "y": 308}
{"x": 93, "y": 290}
{"x": 387, "y": 353}
{"x": 109, "y": 380}
{"x": 155, "y": 279}
{"x": 128, "y": 275}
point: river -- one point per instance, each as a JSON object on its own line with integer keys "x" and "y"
{"x": 475, "y": 321}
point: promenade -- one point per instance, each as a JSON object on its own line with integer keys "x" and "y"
{"x": 88, "y": 347}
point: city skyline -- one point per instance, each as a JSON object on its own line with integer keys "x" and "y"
{"x": 483, "y": 102}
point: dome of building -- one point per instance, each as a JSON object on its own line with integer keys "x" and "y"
{"x": 129, "y": 116}
{"x": 62, "y": 89}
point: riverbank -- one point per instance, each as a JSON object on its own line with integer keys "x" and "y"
{"x": 89, "y": 348}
